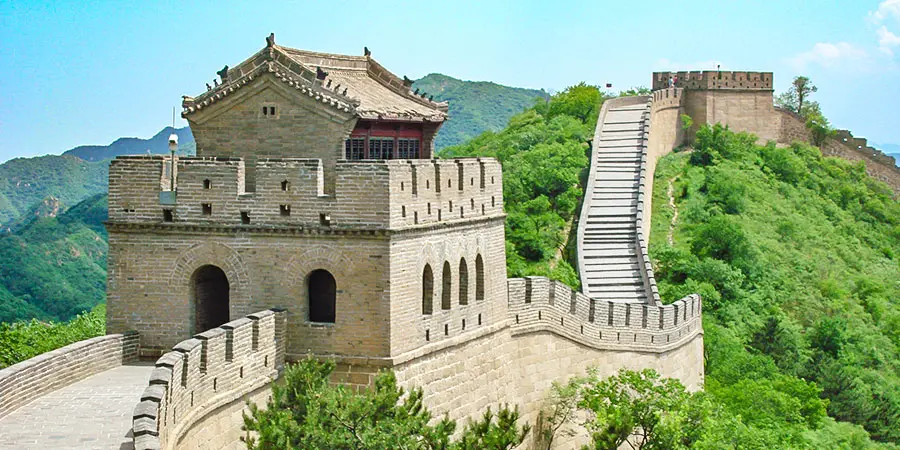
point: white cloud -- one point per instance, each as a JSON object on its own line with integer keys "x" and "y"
{"x": 887, "y": 8}
{"x": 887, "y": 41}
{"x": 664, "y": 64}
{"x": 830, "y": 55}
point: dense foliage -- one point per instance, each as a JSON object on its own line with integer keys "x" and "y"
{"x": 543, "y": 152}
{"x": 25, "y": 339}
{"x": 306, "y": 411}
{"x": 54, "y": 267}
{"x": 475, "y": 106}
{"x": 797, "y": 258}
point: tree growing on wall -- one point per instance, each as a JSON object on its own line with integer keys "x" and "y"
{"x": 797, "y": 96}
{"x": 307, "y": 411}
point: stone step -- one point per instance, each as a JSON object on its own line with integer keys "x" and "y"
{"x": 612, "y": 267}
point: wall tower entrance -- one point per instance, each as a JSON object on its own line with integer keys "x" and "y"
{"x": 210, "y": 291}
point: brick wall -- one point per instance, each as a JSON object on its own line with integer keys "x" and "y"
{"x": 553, "y": 337}
{"x": 23, "y": 382}
{"x": 302, "y": 127}
{"x": 712, "y": 79}
{"x": 206, "y": 375}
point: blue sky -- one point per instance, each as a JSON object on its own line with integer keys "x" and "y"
{"x": 87, "y": 72}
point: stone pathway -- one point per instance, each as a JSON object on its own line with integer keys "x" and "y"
{"x": 94, "y": 413}
{"x": 608, "y": 248}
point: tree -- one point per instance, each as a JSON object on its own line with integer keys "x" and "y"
{"x": 798, "y": 94}
{"x": 306, "y": 411}
{"x": 630, "y": 407}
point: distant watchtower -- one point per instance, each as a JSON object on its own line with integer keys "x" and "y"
{"x": 742, "y": 100}
{"x": 314, "y": 191}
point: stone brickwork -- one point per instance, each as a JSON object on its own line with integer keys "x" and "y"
{"x": 23, "y": 382}
{"x": 713, "y": 79}
{"x": 369, "y": 235}
{"x": 552, "y": 334}
{"x": 238, "y": 128}
{"x": 205, "y": 376}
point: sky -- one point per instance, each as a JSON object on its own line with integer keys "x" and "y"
{"x": 88, "y": 72}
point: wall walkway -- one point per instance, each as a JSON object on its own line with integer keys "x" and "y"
{"x": 77, "y": 396}
{"x": 612, "y": 253}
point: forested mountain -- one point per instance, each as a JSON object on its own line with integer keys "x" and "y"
{"x": 158, "y": 144}
{"x": 54, "y": 266}
{"x": 475, "y": 106}
{"x": 797, "y": 258}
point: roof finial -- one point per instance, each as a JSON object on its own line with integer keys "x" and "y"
{"x": 366, "y": 51}
{"x": 417, "y": 92}
{"x": 320, "y": 74}
{"x": 407, "y": 82}
{"x": 329, "y": 84}
{"x": 223, "y": 74}
{"x": 345, "y": 92}
{"x": 208, "y": 87}
{"x": 430, "y": 98}
{"x": 216, "y": 82}
{"x": 270, "y": 41}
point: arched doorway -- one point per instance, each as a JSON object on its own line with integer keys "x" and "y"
{"x": 322, "y": 295}
{"x": 210, "y": 291}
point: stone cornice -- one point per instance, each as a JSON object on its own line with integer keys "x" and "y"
{"x": 299, "y": 230}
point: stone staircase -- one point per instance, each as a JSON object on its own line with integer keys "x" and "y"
{"x": 611, "y": 261}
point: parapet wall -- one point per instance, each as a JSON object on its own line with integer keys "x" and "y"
{"x": 23, "y": 382}
{"x": 206, "y": 374}
{"x": 289, "y": 192}
{"x": 541, "y": 304}
{"x": 713, "y": 79}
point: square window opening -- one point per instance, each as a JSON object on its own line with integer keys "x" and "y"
{"x": 284, "y": 210}
{"x": 245, "y": 217}
{"x": 167, "y": 215}
{"x": 207, "y": 209}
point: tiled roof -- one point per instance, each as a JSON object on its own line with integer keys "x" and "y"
{"x": 354, "y": 84}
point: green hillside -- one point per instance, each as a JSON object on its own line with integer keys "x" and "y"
{"x": 475, "y": 106}
{"x": 26, "y": 181}
{"x": 54, "y": 267}
{"x": 797, "y": 258}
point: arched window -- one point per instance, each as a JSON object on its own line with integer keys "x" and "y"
{"x": 427, "y": 290}
{"x": 447, "y": 286}
{"x": 322, "y": 295}
{"x": 210, "y": 292}
{"x": 463, "y": 282}
{"x": 479, "y": 278}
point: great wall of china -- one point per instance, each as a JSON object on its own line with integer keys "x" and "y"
{"x": 415, "y": 251}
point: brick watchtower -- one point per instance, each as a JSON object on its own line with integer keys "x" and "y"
{"x": 314, "y": 191}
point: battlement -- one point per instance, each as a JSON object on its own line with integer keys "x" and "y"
{"x": 541, "y": 304}
{"x": 861, "y": 145}
{"x": 667, "y": 98}
{"x": 383, "y": 194}
{"x": 207, "y": 371}
{"x": 712, "y": 79}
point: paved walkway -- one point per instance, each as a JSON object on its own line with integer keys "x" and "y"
{"x": 94, "y": 413}
{"x": 608, "y": 248}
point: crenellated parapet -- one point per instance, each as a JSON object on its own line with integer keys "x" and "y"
{"x": 861, "y": 145}
{"x": 666, "y": 98}
{"x": 289, "y": 192}
{"x": 212, "y": 369}
{"x": 713, "y": 79}
{"x": 539, "y": 304}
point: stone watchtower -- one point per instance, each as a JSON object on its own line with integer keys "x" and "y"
{"x": 741, "y": 100}
{"x": 314, "y": 191}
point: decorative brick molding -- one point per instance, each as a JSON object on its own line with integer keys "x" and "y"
{"x": 541, "y": 304}
{"x": 211, "y": 370}
{"x": 23, "y": 382}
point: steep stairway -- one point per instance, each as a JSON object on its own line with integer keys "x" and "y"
{"x": 610, "y": 258}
